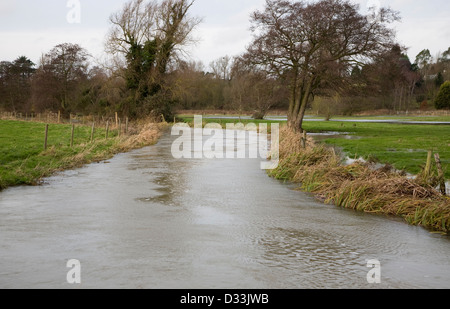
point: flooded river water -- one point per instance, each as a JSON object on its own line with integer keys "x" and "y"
{"x": 146, "y": 220}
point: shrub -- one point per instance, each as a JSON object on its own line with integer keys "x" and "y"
{"x": 443, "y": 98}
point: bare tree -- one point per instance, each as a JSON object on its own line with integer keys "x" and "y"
{"x": 58, "y": 76}
{"x": 221, "y": 68}
{"x": 174, "y": 29}
{"x": 166, "y": 24}
{"x": 254, "y": 90}
{"x": 312, "y": 44}
{"x": 133, "y": 25}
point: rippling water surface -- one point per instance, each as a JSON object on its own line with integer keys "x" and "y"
{"x": 146, "y": 220}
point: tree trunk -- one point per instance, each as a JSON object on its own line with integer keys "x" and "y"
{"x": 297, "y": 113}
{"x": 293, "y": 102}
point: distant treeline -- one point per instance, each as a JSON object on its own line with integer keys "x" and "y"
{"x": 146, "y": 74}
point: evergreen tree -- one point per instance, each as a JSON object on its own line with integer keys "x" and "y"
{"x": 442, "y": 100}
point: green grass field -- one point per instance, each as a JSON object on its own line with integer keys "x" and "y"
{"x": 23, "y": 159}
{"x": 403, "y": 146}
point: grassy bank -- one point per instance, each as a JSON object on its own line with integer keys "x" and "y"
{"x": 359, "y": 186}
{"x": 24, "y": 161}
{"x": 405, "y": 147}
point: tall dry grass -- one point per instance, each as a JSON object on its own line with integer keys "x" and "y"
{"x": 359, "y": 186}
{"x": 144, "y": 133}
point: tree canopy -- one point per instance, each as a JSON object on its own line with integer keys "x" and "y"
{"x": 323, "y": 56}
{"x": 314, "y": 45}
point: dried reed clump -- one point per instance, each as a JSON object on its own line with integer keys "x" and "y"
{"x": 146, "y": 134}
{"x": 359, "y": 186}
{"x": 290, "y": 142}
{"x": 295, "y": 160}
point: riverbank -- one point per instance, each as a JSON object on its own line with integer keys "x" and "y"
{"x": 359, "y": 186}
{"x": 405, "y": 147}
{"x": 24, "y": 161}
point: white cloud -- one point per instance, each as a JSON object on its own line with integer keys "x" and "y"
{"x": 6, "y": 8}
{"x": 418, "y": 34}
{"x": 424, "y": 24}
{"x": 219, "y": 41}
{"x": 225, "y": 30}
{"x": 35, "y": 43}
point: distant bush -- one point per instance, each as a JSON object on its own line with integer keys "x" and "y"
{"x": 424, "y": 105}
{"x": 443, "y": 98}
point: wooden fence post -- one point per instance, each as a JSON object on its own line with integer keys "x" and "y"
{"x": 107, "y": 128}
{"x": 71, "y": 138}
{"x": 92, "y": 132}
{"x": 440, "y": 174}
{"x": 46, "y": 137}
{"x": 428, "y": 165}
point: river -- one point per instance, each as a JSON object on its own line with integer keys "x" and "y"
{"x": 146, "y": 220}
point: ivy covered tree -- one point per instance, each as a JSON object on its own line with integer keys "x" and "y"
{"x": 149, "y": 36}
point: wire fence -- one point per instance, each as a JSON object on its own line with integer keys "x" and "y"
{"x": 112, "y": 126}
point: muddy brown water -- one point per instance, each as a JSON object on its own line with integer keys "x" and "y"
{"x": 146, "y": 220}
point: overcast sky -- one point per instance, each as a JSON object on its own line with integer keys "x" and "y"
{"x": 31, "y": 28}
